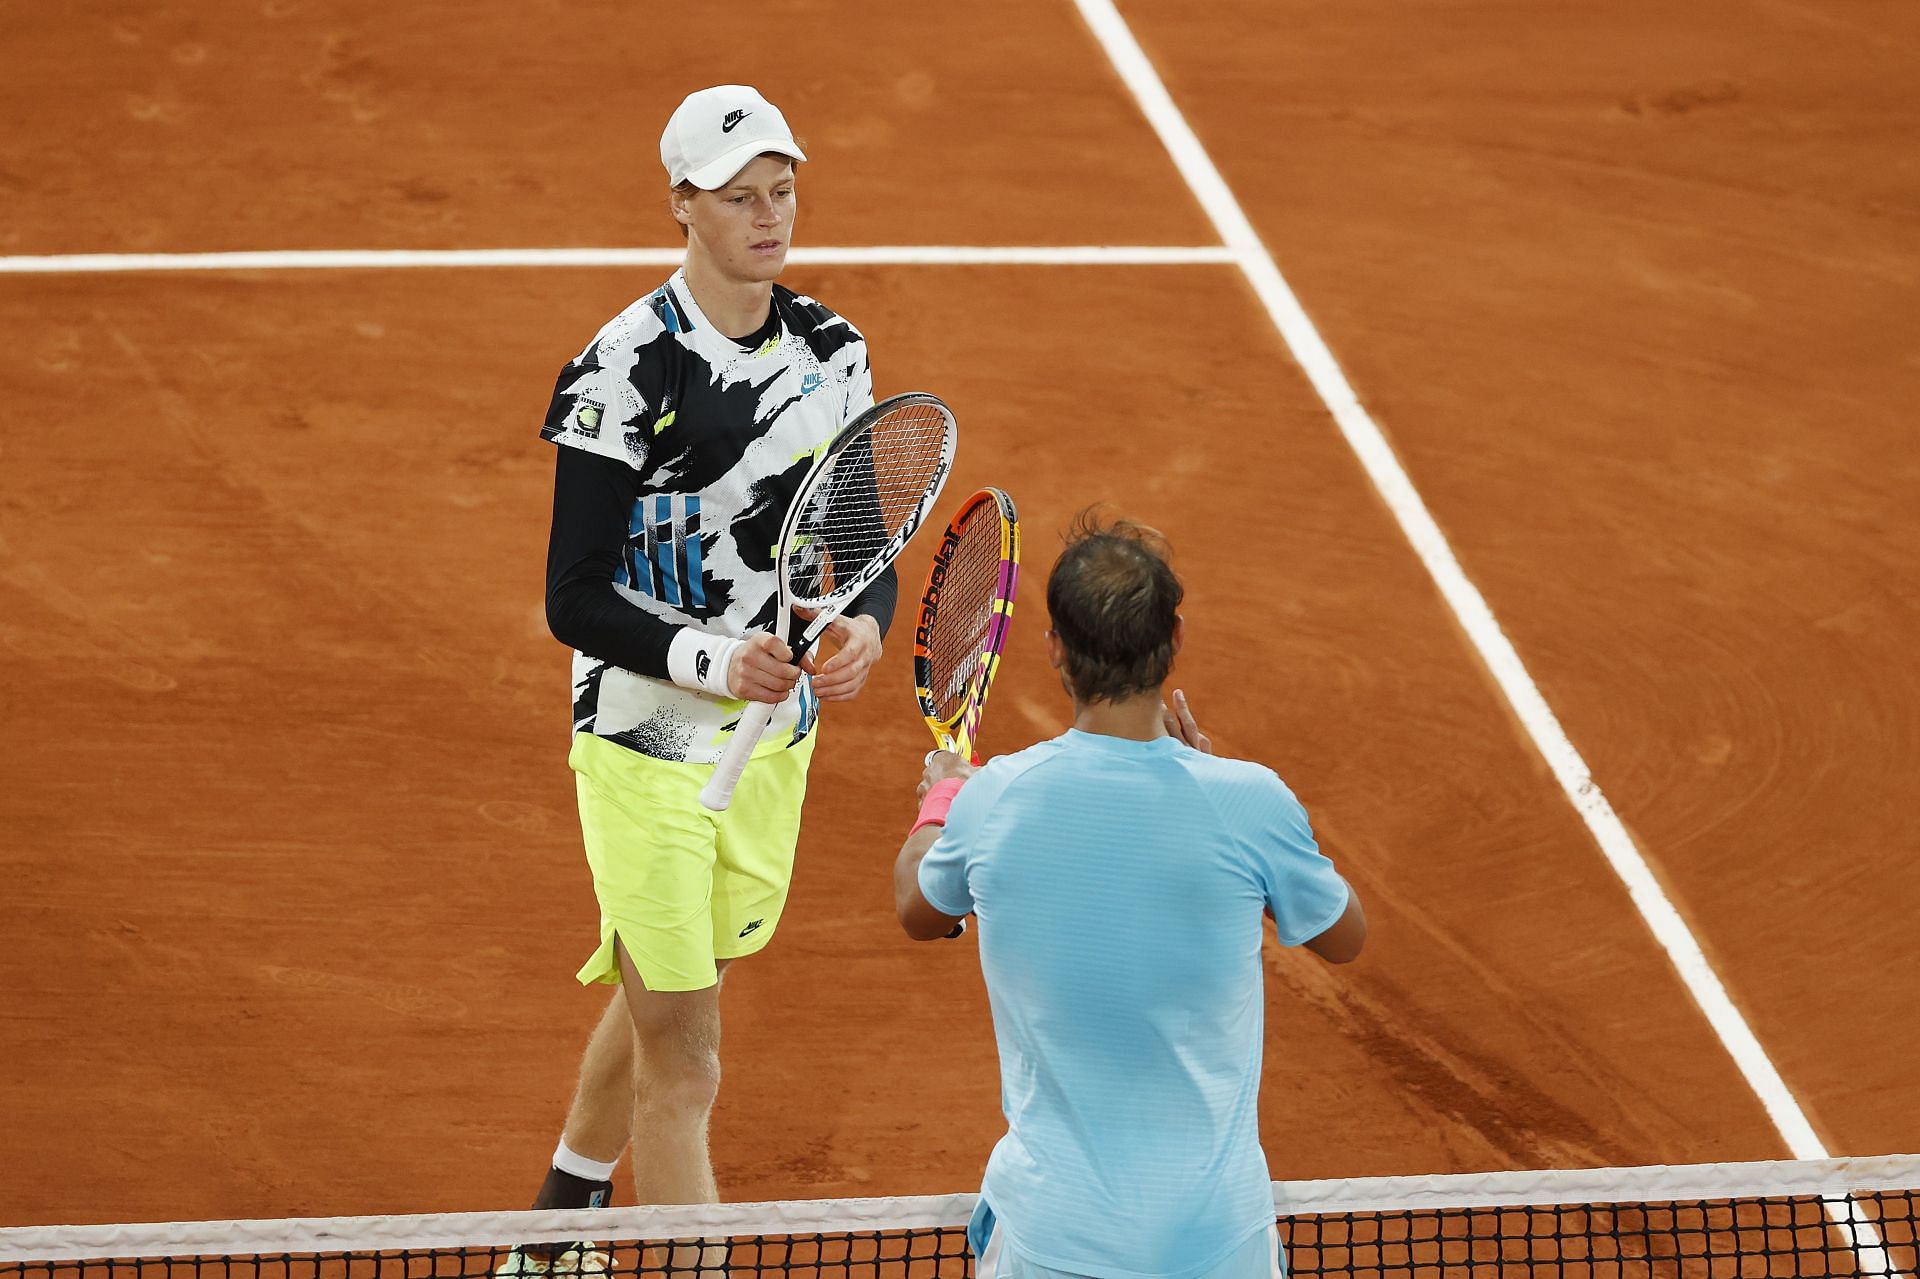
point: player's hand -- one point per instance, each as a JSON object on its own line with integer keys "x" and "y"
{"x": 762, "y": 669}
{"x": 941, "y": 766}
{"x": 1179, "y": 721}
{"x": 856, "y": 642}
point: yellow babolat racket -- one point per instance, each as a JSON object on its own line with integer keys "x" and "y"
{"x": 966, "y": 611}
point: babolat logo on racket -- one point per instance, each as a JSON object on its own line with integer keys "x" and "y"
{"x": 936, "y": 580}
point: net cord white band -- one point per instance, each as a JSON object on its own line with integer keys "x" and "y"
{"x": 1831, "y": 1178}
{"x": 1648, "y": 1183}
{"x": 1834, "y": 1180}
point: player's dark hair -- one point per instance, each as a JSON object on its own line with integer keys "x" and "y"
{"x": 1114, "y": 602}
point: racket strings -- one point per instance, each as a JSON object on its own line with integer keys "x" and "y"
{"x": 957, "y": 638}
{"x": 864, "y": 496}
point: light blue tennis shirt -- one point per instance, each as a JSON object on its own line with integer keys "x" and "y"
{"x": 1119, "y": 887}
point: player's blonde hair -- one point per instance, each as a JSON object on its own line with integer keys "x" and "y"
{"x": 1114, "y": 601}
{"x": 681, "y": 188}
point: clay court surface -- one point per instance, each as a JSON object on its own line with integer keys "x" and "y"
{"x": 290, "y": 886}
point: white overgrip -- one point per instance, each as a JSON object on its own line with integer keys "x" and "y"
{"x": 718, "y": 792}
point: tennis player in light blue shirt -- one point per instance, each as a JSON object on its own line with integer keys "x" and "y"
{"x": 1120, "y": 875}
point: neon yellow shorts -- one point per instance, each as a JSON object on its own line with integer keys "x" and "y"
{"x": 681, "y": 886}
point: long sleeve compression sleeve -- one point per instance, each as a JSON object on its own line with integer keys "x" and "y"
{"x": 592, "y": 496}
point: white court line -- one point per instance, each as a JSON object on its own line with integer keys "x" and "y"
{"x": 843, "y": 255}
{"x": 1397, "y": 490}
{"x": 1470, "y": 607}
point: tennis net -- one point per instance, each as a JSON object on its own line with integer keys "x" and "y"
{"x": 1813, "y": 1219}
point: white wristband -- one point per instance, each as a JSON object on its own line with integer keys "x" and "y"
{"x": 699, "y": 661}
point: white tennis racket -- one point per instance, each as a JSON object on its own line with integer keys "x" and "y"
{"x": 855, "y": 512}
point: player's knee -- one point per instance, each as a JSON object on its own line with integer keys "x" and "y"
{"x": 609, "y": 1062}
{"x": 680, "y": 1076}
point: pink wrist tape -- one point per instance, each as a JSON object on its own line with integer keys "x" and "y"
{"x": 933, "y": 809}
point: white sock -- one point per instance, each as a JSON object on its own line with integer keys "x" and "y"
{"x": 569, "y": 1160}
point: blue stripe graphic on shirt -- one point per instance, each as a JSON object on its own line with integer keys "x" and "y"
{"x": 636, "y": 571}
{"x": 662, "y": 538}
{"x": 663, "y": 557}
{"x": 690, "y": 539}
{"x": 667, "y": 307}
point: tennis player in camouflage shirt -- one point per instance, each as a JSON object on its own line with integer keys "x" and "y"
{"x": 684, "y": 430}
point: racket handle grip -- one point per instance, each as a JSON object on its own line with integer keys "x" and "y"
{"x": 718, "y": 792}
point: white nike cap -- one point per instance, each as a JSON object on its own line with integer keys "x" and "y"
{"x": 713, "y": 134}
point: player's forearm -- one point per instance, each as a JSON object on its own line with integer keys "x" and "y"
{"x": 592, "y": 497}
{"x": 592, "y": 617}
{"x": 1341, "y": 943}
{"x": 588, "y": 614}
{"x": 920, "y": 920}
{"x": 878, "y": 600}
